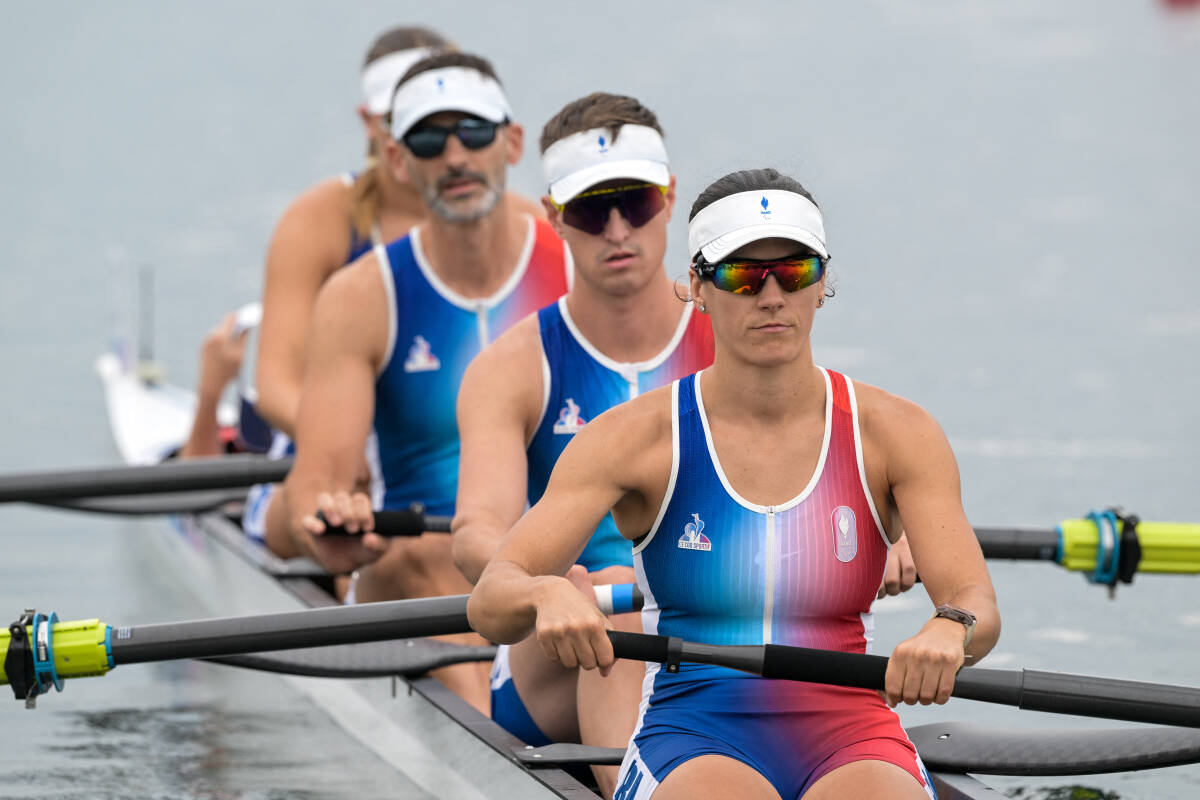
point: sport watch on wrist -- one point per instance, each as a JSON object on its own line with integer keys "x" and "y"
{"x": 958, "y": 615}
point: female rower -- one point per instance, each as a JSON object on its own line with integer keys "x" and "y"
{"x": 762, "y": 495}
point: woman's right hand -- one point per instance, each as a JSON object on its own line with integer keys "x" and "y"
{"x": 570, "y": 627}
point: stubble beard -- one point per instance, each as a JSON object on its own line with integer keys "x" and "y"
{"x": 492, "y": 190}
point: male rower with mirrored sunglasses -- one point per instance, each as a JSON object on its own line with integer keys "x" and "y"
{"x": 621, "y": 330}
{"x": 393, "y": 333}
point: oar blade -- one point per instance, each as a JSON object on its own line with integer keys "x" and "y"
{"x": 988, "y": 750}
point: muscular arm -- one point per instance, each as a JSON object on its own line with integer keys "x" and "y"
{"x": 499, "y": 403}
{"x": 309, "y": 244}
{"x": 622, "y": 458}
{"x": 923, "y": 480}
{"x": 348, "y": 337}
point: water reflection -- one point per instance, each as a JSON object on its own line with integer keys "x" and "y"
{"x": 207, "y": 752}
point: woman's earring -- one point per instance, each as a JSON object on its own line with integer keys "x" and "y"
{"x": 821, "y": 302}
{"x": 703, "y": 308}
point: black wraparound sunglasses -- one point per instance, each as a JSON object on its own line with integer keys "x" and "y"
{"x": 429, "y": 141}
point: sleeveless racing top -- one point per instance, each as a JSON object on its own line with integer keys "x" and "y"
{"x": 720, "y": 569}
{"x": 433, "y": 333}
{"x": 579, "y": 382}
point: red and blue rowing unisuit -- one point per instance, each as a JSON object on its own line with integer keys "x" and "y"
{"x": 720, "y": 569}
{"x": 433, "y": 333}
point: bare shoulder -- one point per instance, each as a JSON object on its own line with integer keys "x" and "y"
{"x": 891, "y": 419}
{"x": 329, "y": 197}
{"x": 628, "y": 430}
{"x": 508, "y": 369}
{"x": 900, "y": 440}
{"x": 523, "y": 204}
{"x": 353, "y": 301}
{"x": 316, "y": 223}
{"x": 519, "y": 344}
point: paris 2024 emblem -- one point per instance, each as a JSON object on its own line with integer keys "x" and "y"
{"x": 845, "y": 534}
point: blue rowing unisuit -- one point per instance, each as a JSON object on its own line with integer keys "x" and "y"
{"x": 583, "y": 383}
{"x": 433, "y": 334}
{"x": 580, "y": 382}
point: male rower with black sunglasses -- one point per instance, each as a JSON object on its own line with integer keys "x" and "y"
{"x": 393, "y": 333}
{"x": 620, "y": 331}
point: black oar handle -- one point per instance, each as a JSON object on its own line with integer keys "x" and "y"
{"x": 824, "y": 666}
{"x": 639, "y": 647}
{"x": 1020, "y": 544}
{"x": 401, "y": 522}
{"x": 1062, "y": 693}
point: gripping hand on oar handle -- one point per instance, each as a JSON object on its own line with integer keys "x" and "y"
{"x": 570, "y": 627}
{"x": 352, "y": 511}
{"x": 922, "y": 669}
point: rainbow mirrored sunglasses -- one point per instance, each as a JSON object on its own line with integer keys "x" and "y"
{"x": 589, "y": 211}
{"x": 748, "y": 276}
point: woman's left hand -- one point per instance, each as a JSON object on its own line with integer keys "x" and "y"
{"x": 922, "y": 669}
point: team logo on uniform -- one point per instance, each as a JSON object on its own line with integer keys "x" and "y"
{"x": 845, "y": 534}
{"x": 569, "y": 421}
{"x": 766, "y": 212}
{"x": 420, "y": 357}
{"x": 693, "y": 535}
{"x": 603, "y": 144}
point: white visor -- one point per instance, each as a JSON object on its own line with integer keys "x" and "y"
{"x": 745, "y": 217}
{"x": 584, "y": 159}
{"x": 447, "y": 89}
{"x": 379, "y": 78}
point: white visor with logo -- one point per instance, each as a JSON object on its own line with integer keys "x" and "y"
{"x": 447, "y": 89}
{"x": 735, "y": 221}
{"x": 379, "y": 78}
{"x": 584, "y": 159}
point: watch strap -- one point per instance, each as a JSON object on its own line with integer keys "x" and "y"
{"x": 960, "y": 615}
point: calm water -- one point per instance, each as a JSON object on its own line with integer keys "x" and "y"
{"x": 1011, "y": 199}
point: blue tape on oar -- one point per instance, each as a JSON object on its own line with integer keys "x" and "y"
{"x": 1108, "y": 547}
{"x": 618, "y": 598}
{"x": 43, "y": 652}
{"x": 622, "y": 598}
